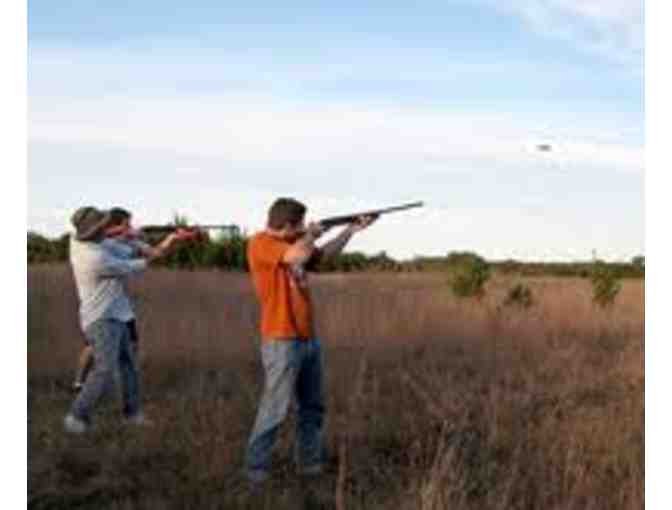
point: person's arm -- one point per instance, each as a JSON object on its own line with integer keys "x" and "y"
{"x": 119, "y": 248}
{"x": 137, "y": 249}
{"x": 109, "y": 266}
{"x": 165, "y": 247}
{"x": 148, "y": 251}
{"x": 114, "y": 261}
{"x": 336, "y": 245}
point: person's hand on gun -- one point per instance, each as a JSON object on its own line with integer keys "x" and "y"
{"x": 187, "y": 234}
{"x": 181, "y": 235}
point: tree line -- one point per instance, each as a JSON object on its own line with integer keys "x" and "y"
{"x": 229, "y": 254}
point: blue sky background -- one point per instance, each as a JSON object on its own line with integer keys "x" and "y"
{"x": 214, "y": 110}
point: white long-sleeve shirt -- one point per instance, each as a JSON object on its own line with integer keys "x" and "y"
{"x": 100, "y": 273}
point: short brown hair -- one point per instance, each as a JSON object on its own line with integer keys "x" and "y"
{"x": 119, "y": 215}
{"x": 285, "y": 211}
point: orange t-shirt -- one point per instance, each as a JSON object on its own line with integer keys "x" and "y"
{"x": 282, "y": 290}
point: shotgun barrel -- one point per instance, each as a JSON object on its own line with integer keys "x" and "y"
{"x": 346, "y": 219}
{"x": 173, "y": 228}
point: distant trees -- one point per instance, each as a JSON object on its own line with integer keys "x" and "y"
{"x": 467, "y": 271}
{"x": 225, "y": 253}
{"x": 40, "y": 249}
{"x": 564, "y": 269}
{"x": 638, "y": 262}
{"x": 345, "y": 262}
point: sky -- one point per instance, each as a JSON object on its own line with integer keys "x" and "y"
{"x": 213, "y": 111}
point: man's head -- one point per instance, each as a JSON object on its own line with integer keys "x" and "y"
{"x": 120, "y": 222}
{"x": 286, "y": 218}
{"x": 120, "y": 216}
{"x": 90, "y": 223}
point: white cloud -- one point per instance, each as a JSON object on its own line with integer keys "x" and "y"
{"x": 188, "y": 171}
{"x": 249, "y": 132}
{"x": 177, "y": 65}
{"x": 611, "y": 28}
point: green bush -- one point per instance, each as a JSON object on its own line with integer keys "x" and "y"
{"x": 638, "y": 262}
{"x": 468, "y": 274}
{"x": 228, "y": 253}
{"x": 344, "y": 262}
{"x": 41, "y": 249}
{"x": 605, "y": 284}
{"x": 519, "y": 295}
{"x": 383, "y": 262}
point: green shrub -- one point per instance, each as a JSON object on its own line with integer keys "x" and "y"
{"x": 344, "y": 262}
{"x": 468, "y": 273}
{"x": 638, "y": 262}
{"x": 230, "y": 253}
{"x": 519, "y": 295}
{"x": 605, "y": 284}
{"x": 41, "y": 249}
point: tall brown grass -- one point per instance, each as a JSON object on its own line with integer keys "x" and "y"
{"x": 433, "y": 402}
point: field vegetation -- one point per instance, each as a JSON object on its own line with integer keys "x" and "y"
{"x": 434, "y": 401}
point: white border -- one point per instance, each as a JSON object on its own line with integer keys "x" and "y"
{"x": 13, "y": 125}
{"x": 13, "y": 106}
{"x": 658, "y": 214}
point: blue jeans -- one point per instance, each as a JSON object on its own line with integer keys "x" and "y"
{"x": 113, "y": 355}
{"x": 293, "y": 370}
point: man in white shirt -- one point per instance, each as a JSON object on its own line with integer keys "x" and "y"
{"x": 105, "y": 310}
{"x": 123, "y": 241}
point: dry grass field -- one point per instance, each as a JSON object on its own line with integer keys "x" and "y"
{"x": 433, "y": 402}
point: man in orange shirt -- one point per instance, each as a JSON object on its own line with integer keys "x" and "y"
{"x": 290, "y": 351}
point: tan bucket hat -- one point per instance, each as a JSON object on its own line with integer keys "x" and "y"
{"x": 89, "y": 222}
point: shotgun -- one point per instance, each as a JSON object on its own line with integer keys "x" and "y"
{"x": 346, "y": 219}
{"x": 200, "y": 231}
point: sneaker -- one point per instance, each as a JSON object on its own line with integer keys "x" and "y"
{"x": 74, "y": 425}
{"x": 138, "y": 420}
